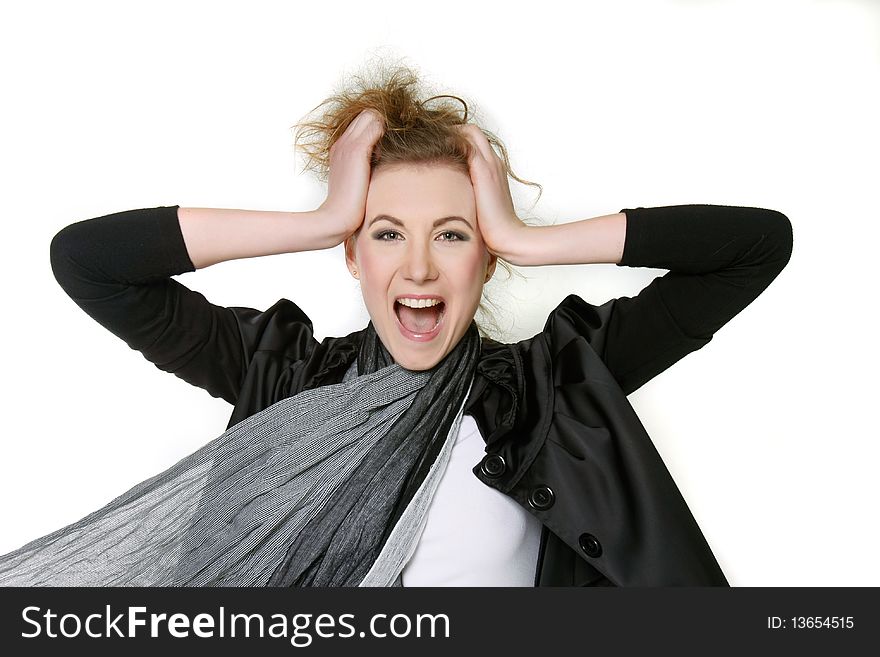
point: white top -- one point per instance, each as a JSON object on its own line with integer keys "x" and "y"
{"x": 473, "y": 534}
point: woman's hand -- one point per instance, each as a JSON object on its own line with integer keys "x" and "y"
{"x": 501, "y": 229}
{"x": 346, "y": 204}
{"x": 595, "y": 240}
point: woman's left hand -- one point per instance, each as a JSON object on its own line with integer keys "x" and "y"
{"x": 500, "y": 227}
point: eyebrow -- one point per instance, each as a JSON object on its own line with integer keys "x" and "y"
{"x": 398, "y": 222}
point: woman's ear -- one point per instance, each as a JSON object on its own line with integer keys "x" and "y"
{"x": 351, "y": 255}
{"x": 490, "y": 267}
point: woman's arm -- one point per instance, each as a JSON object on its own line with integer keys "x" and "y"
{"x": 118, "y": 268}
{"x": 215, "y": 235}
{"x": 588, "y": 241}
{"x": 720, "y": 259}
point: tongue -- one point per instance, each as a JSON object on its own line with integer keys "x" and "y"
{"x": 418, "y": 320}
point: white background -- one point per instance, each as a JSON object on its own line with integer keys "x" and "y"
{"x": 768, "y": 430}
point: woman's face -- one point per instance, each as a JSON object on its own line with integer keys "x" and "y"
{"x": 420, "y": 244}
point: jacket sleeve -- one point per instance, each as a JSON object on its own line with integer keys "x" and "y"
{"x": 118, "y": 268}
{"x": 720, "y": 258}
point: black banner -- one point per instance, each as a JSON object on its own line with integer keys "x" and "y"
{"x": 434, "y": 620}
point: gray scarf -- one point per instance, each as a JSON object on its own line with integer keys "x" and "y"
{"x": 329, "y": 487}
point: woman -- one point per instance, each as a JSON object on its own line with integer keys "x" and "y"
{"x": 413, "y": 452}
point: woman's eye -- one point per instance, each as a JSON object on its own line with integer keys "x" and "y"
{"x": 452, "y": 236}
{"x": 383, "y": 235}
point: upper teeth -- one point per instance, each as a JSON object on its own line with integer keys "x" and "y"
{"x": 418, "y": 303}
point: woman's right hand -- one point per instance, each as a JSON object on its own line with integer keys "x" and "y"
{"x": 345, "y": 206}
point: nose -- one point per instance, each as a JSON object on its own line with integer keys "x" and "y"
{"x": 419, "y": 265}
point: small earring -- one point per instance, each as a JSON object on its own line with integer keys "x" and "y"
{"x": 354, "y": 272}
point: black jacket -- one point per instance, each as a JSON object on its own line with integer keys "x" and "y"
{"x": 561, "y": 437}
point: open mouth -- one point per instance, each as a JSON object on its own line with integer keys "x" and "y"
{"x": 419, "y": 324}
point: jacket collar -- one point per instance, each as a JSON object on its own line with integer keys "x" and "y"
{"x": 496, "y": 395}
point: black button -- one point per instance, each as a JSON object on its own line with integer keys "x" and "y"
{"x": 493, "y": 465}
{"x": 590, "y": 544}
{"x": 541, "y": 497}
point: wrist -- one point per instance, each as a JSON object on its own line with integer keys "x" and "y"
{"x": 517, "y": 245}
{"x": 324, "y": 228}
